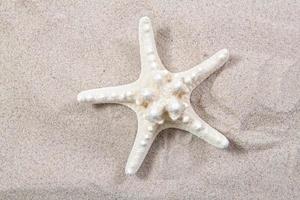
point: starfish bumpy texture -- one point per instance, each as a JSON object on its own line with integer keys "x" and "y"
{"x": 160, "y": 98}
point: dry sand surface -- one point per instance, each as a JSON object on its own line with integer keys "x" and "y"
{"x": 52, "y": 147}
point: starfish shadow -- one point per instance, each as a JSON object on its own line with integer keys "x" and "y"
{"x": 236, "y": 148}
{"x": 104, "y": 106}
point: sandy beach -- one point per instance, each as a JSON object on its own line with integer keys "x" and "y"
{"x": 52, "y": 147}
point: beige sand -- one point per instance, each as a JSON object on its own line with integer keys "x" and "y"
{"x": 52, "y": 147}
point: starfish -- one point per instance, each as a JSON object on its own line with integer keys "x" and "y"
{"x": 160, "y": 98}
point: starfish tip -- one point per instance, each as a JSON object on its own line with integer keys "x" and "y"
{"x": 224, "y": 54}
{"x": 129, "y": 171}
{"x": 144, "y": 19}
{"x": 80, "y": 98}
{"x": 224, "y": 143}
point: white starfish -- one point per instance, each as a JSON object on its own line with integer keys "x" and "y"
{"x": 161, "y": 99}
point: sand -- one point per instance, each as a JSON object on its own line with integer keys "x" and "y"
{"x": 52, "y": 147}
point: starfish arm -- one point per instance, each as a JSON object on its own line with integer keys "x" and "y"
{"x": 192, "y": 123}
{"x": 145, "y": 136}
{"x": 200, "y": 72}
{"x": 119, "y": 94}
{"x": 149, "y": 57}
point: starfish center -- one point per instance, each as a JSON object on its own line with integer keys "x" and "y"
{"x": 163, "y": 97}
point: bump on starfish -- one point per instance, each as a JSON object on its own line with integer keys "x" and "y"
{"x": 160, "y": 98}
